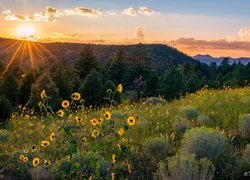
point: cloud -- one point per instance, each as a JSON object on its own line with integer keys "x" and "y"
{"x": 146, "y": 11}
{"x": 244, "y": 34}
{"x": 142, "y": 10}
{"x": 221, "y": 44}
{"x": 50, "y": 14}
{"x": 130, "y": 11}
{"x": 139, "y": 33}
{"x": 139, "y": 37}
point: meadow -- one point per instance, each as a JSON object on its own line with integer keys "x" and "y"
{"x": 204, "y": 135}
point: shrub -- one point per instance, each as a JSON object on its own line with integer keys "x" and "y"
{"x": 204, "y": 142}
{"x": 156, "y": 148}
{"x": 155, "y": 101}
{"x": 5, "y": 110}
{"x": 203, "y": 119}
{"x": 191, "y": 113}
{"x": 186, "y": 167}
{"x": 244, "y": 126}
{"x": 180, "y": 125}
{"x": 248, "y": 153}
{"x": 91, "y": 163}
{"x": 4, "y": 135}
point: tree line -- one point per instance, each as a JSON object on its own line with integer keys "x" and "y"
{"x": 134, "y": 71}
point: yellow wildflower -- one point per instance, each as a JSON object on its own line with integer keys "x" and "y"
{"x": 94, "y": 122}
{"x": 120, "y": 131}
{"x": 45, "y": 143}
{"x": 21, "y": 157}
{"x": 43, "y": 95}
{"x": 52, "y": 136}
{"x": 36, "y": 162}
{"x": 76, "y": 96}
{"x": 131, "y": 121}
{"x": 25, "y": 159}
{"x": 60, "y": 113}
{"x": 95, "y": 133}
{"x": 108, "y": 115}
{"x": 65, "y": 104}
{"x": 119, "y": 88}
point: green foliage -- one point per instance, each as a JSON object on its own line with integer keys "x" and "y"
{"x": 191, "y": 113}
{"x": 9, "y": 88}
{"x": 44, "y": 82}
{"x": 157, "y": 148}
{"x": 186, "y": 167}
{"x": 91, "y": 88}
{"x": 86, "y": 61}
{"x": 5, "y": 110}
{"x": 89, "y": 165}
{"x": 244, "y": 126}
{"x": 25, "y": 87}
{"x": 110, "y": 94}
{"x": 248, "y": 153}
{"x": 62, "y": 77}
{"x": 139, "y": 64}
{"x": 204, "y": 142}
{"x": 118, "y": 67}
{"x": 181, "y": 125}
{"x": 203, "y": 119}
{"x": 172, "y": 84}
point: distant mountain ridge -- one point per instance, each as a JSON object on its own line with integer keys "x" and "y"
{"x": 44, "y": 53}
{"x": 209, "y": 59}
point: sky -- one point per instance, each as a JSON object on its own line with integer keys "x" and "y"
{"x": 215, "y": 27}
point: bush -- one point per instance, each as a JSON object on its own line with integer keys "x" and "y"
{"x": 191, "y": 113}
{"x": 155, "y": 101}
{"x": 244, "y": 126}
{"x": 180, "y": 125}
{"x": 91, "y": 163}
{"x": 156, "y": 148}
{"x": 248, "y": 153}
{"x": 203, "y": 119}
{"x": 5, "y": 110}
{"x": 204, "y": 142}
{"x": 186, "y": 167}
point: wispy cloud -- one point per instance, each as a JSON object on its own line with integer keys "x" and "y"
{"x": 50, "y": 14}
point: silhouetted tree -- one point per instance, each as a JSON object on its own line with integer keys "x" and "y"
{"x": 9, "y": 88}
{"x": 91, "y": 89}
{"x": 86, "y": 61}
{"x": 44, "y": 82}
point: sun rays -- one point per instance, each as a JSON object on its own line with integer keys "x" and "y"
{"x": 21, "y": 51}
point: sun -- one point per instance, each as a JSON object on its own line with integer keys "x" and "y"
{"x": 26, "y": 33}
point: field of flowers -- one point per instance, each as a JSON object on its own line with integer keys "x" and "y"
{"x": 205, "y": 135}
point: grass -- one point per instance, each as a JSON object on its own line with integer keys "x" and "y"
{"x": 76, "y": 152}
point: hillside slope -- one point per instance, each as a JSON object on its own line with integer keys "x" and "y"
{"x": 44, "y": 53}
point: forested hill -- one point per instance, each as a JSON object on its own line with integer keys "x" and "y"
{"x": 161, "y": 55}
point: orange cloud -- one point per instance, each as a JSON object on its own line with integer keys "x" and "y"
{"x": 50, "y": 14}
{"x": 142, "y": 10}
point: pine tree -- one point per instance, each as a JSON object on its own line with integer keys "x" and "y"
{"x": 86, "y": 62}
{"x": 5, "y": 109}
{"x": 44, "y": 82}
{"x": 172, "y": 84}
{"x": 25, "y": 87}
{"x": 151, "y": 84}
{"x": 91, "y": 89}
{"x": 118, "y": 67}
{"x": 62, "y": 76}
{"x": 9, "y": 88}
{"x": 140, "y": 64}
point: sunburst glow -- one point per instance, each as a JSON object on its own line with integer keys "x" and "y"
{"x": 26, "y": 33}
